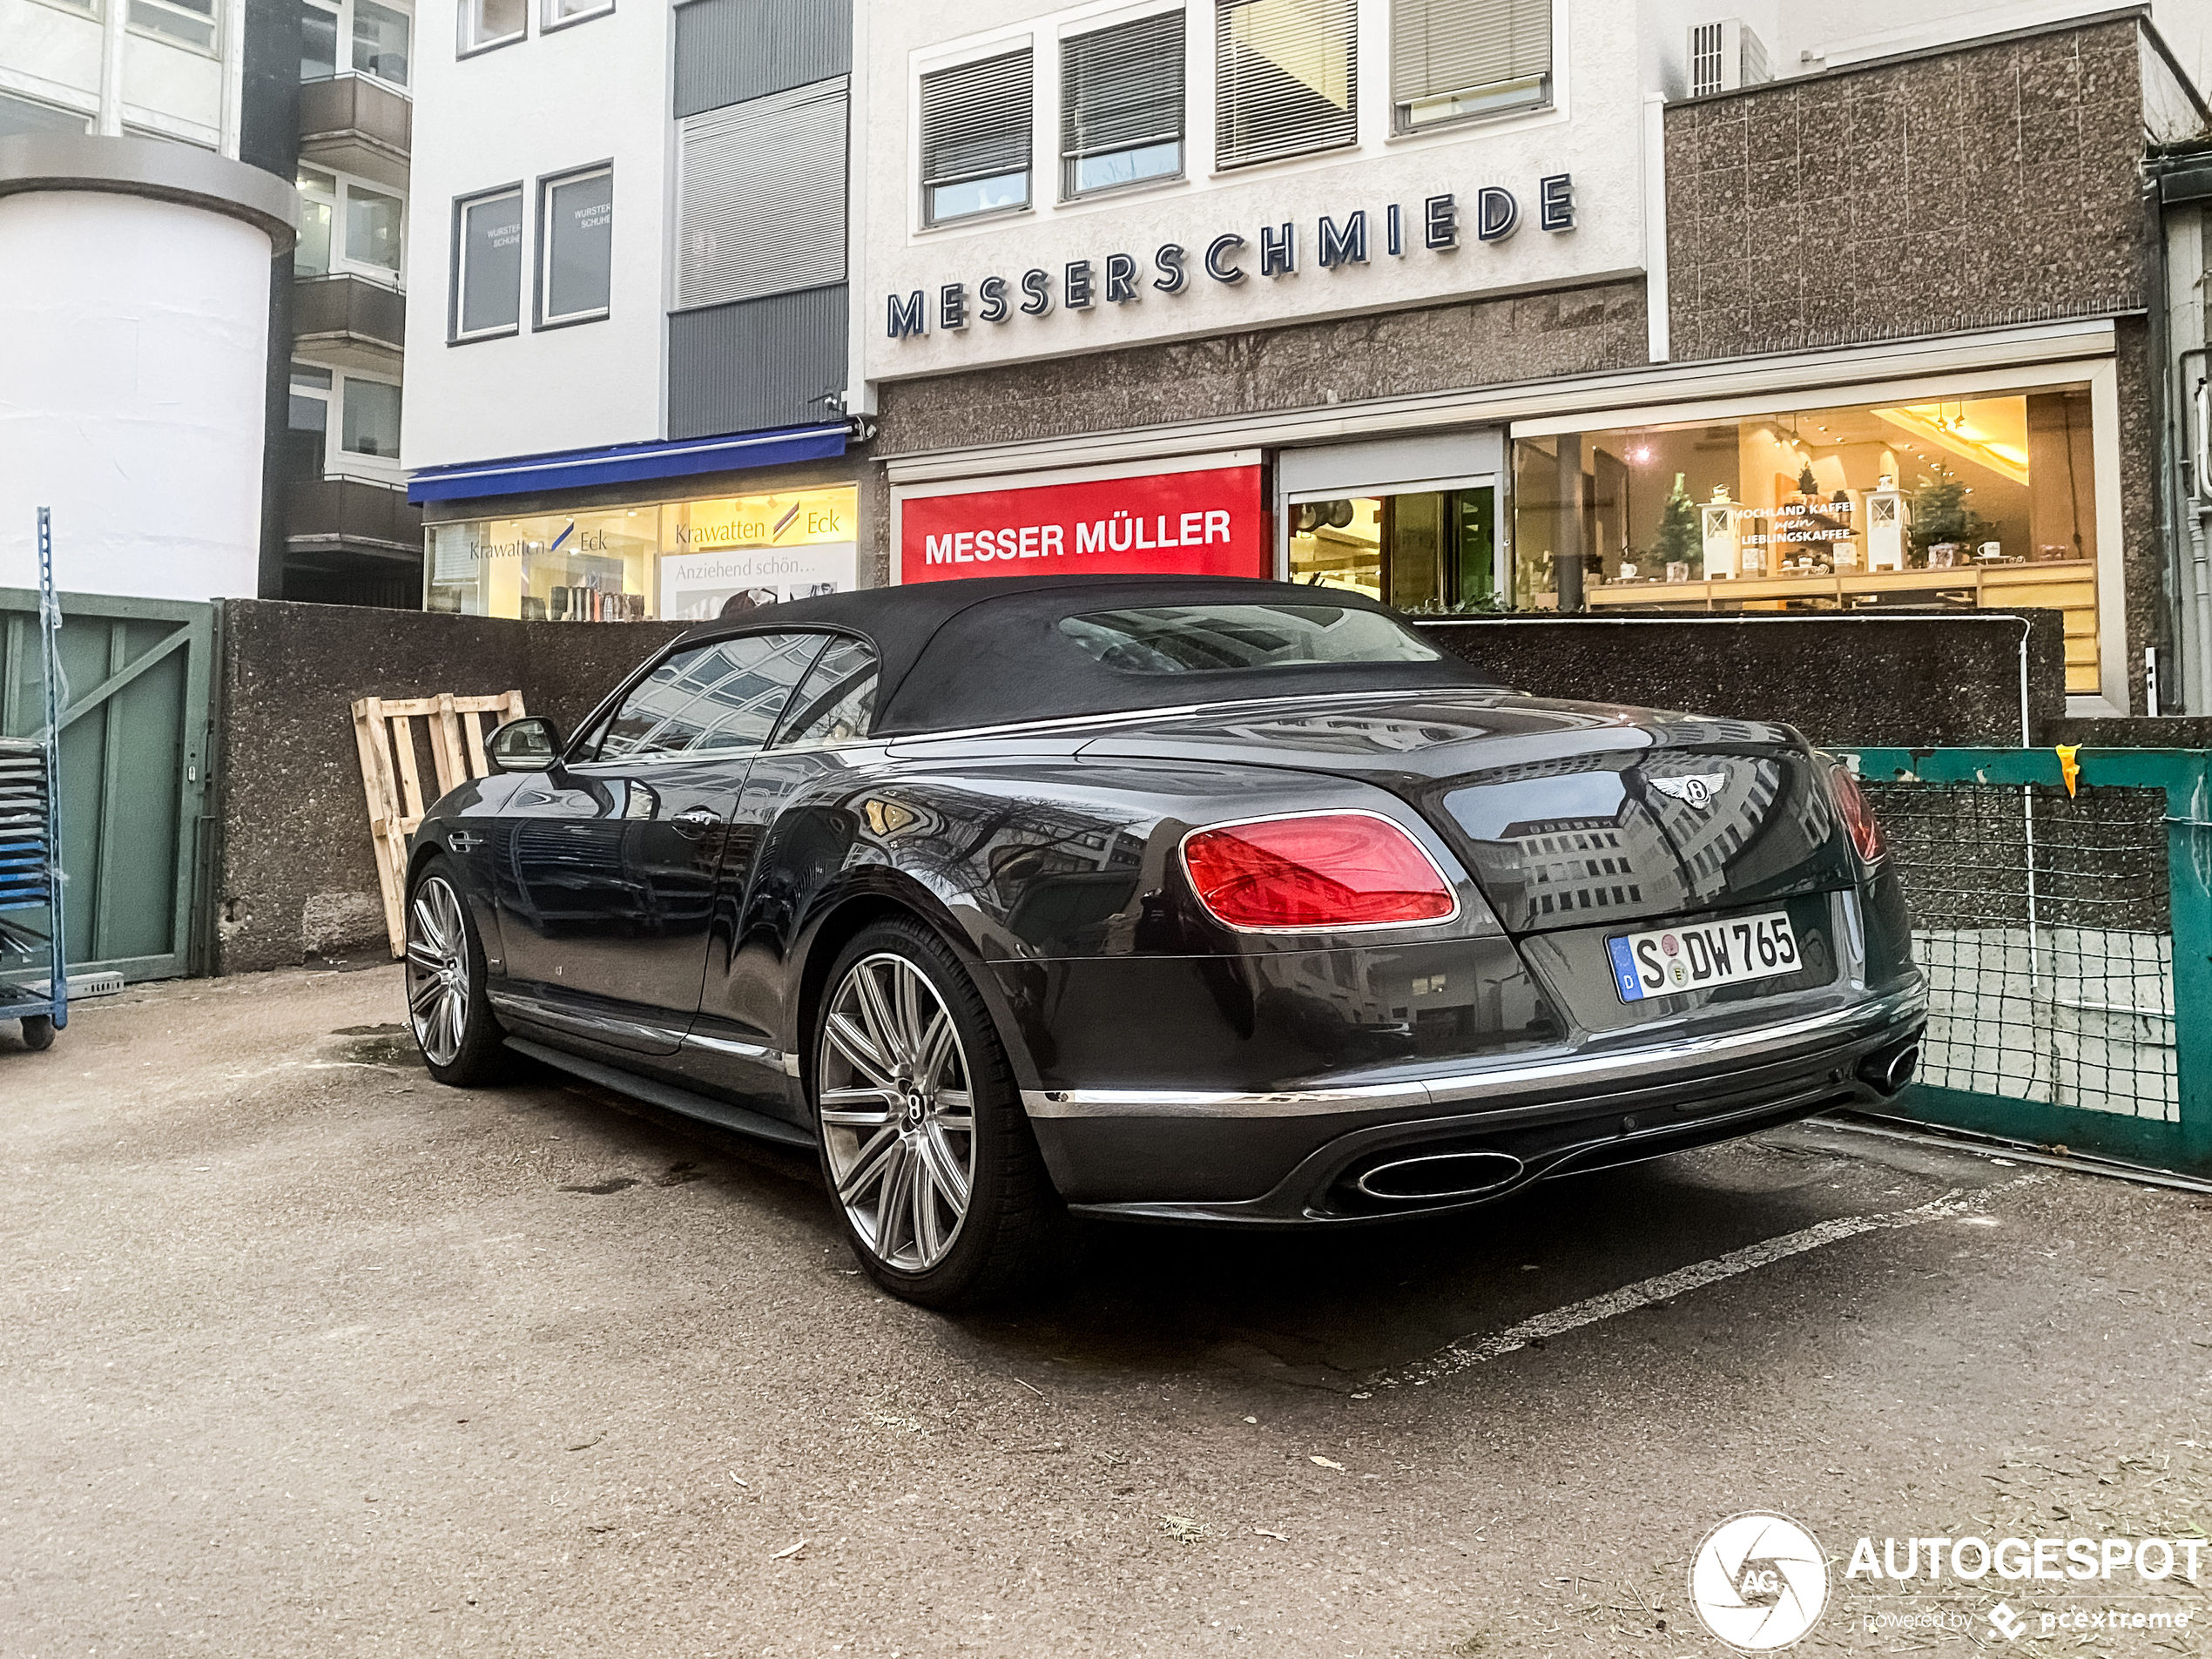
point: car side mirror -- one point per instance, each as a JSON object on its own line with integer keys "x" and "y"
{"x": 530, "y": 744}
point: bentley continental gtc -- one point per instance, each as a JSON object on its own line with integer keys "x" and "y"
{"x": 1175, "y": 899}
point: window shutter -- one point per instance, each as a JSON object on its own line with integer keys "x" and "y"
{"x": 1288, "y": 77}
{"x": 760, "y": 204}
{"x": 1122, "y": 88}
{"x": 975, "y": 119}
{"x": 1441, "y": 47}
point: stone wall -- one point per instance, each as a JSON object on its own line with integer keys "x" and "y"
{"x": 1474, "y": 342}
{"x": 1971, "y": 188}
{"x": 1920, "y": 680}
{"x": 296, "y": 873}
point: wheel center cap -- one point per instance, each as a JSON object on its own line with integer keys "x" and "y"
{"x": 916, "y": 1106}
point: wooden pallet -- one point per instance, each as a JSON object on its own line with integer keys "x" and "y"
{"x": 392, "y": 779}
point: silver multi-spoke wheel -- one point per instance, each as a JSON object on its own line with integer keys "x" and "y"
{"x": 437, "y": 970}
{"x": 898, "y": 1112}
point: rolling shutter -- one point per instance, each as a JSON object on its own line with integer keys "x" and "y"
{"x": 1288, "y": 77}
{"x": 975, "y": 119}
{"x": 1438, "y": 48}
{"x": 1122, "y": 88}
{"x": 760, "y": 204}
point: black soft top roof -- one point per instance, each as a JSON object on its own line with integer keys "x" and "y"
{"x": 987, "y": 650}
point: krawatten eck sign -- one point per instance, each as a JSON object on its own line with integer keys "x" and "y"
{"x": 1230, "y": 258}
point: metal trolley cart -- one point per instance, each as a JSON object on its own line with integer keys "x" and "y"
{"x": 34, "y": 972}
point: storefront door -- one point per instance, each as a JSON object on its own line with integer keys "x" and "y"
{"x": 1411, "y": 522}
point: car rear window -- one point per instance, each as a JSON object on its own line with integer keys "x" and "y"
{"x": 1201, "y": 638}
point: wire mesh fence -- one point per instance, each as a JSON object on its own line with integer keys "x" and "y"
{"x": 2044, "y": 922}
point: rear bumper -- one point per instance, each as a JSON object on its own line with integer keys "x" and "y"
{"x": 1296, "y": 1157}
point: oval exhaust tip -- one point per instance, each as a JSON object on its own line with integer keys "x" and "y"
{"x": 1892, "y": 1071}
{"x": 1439, "y": 1175}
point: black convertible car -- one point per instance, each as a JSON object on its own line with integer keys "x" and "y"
{"x": 1182, "y": 899}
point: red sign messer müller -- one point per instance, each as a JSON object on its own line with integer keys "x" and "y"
{"x": 1207, "y": 522}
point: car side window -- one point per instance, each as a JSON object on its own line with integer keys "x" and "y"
{"x": 721, "y": 699}
{"x": 837, "y": 701}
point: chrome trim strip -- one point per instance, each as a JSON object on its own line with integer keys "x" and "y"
{"x": 1868, "y": 1018}
{"x": 546, "y": 1012}
{"x": 759, "y": 1052}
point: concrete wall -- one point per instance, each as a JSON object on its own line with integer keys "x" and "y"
{"x": 297, "y": 875}
{"x": 1924, "y": 680}
{"x": 297, "y": 879}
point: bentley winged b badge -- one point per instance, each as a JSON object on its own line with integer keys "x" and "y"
{"x": 1698, "y": 788}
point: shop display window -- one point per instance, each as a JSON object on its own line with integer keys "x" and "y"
{"x": 729, "y": 554}
{"x": 694, "y": 561}
{"x": 554, "y": 567}
{"x": 1423, "y": 551}
{"x": 1963, "y": 502}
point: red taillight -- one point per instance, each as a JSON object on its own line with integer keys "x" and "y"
{"x": 1859, "y": 816}
{"x": 1317, "y": 870}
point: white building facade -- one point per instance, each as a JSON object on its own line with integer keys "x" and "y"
{"x": 630, "y": 355}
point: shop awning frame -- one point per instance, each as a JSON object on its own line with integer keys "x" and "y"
{"x": 628, "y": 463}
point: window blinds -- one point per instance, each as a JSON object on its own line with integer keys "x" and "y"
{"x": 1288, "y": 77}
{"x": 760, "y": 203}
{"x": 1443, "y": 47}
{"x": 1122, "y": 88}
{"x": 975, "y": 119}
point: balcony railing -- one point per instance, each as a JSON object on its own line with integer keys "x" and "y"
{"x": 357, "y": 124}
{"x": 327, "y": 512}
{"x": 350, "y": 321}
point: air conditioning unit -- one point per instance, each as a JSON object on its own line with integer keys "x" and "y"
{"x": 1724, "y": 56}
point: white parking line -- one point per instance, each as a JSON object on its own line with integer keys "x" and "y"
{"x": 1468, "y": 1351}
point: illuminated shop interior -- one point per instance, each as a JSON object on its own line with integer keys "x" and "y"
{"x": 1963, "y": 503}
{"x": 691, "y": 561}
{"x": 1426, "y": 550}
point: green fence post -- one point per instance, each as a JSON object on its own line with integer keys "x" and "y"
{"x": 2189, "y": 862}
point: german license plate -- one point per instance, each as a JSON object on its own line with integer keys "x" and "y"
{"x": 1698, "y": 955}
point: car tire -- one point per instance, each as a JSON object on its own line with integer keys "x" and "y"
{"x": 461, "y": 1038}
{"x": 885, "y": 1086}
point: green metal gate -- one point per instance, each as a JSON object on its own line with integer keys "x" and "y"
{"x": 134, "y": 796}
{"x": 2062, "y": 910}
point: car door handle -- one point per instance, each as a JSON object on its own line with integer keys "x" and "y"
{"x": 695, "y": 821}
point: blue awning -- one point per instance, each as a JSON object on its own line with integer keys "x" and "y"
{"x": 627, "y": 464}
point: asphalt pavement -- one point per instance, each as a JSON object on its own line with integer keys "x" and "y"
{"x": 303, "y": 1354}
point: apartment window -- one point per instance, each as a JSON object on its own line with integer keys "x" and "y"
{"x": 782, "y": 156}
{"x": 317, "y": 42}
{"x": 576, "y": 217}
{"x": 1121, "y": 104}
{"x": 1287, "y": 78}
{"x": 557, "y": 13}
{"x": 308, "y": 433}
{"x": 491, "y": 22}
{"x": 380, "y": 42}
{"x": 188, "y": 23}
{"x": 1451, "y": 59}
{"x": 372, "y": 418}
{"x": 20, "y": 116}
{"x": 975, "y": 138}
{"x": 318, "y": 208}
{"x": 347, "y": 228}
{"x": 487, "y": 265}
{"x": 373, "y": 228}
